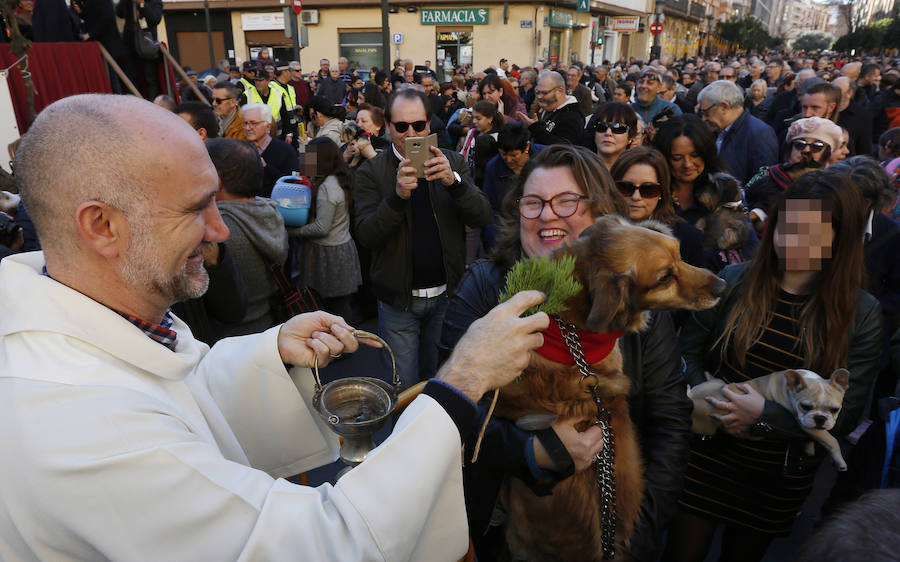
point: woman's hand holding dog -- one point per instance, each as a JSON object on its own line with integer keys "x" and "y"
{"x": 744, "y": 409}
{"x": 583, "y": 446}
{"x": 494, "y": 350}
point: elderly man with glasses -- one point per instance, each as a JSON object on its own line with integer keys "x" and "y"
{"x": 279, "y": 158}
{"x": 745, "y": 143}
{"x": 228, "y": 110}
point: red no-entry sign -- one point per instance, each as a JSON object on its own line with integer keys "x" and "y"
{"x": 298, "y": 6}
{"x": 656, "y": 28}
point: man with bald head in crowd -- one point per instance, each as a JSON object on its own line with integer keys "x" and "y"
{"x": 561, "y": 119}
{"x": 124, "y": 438}
{"x": 854, "y": 118}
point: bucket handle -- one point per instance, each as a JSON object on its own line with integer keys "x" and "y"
{"x": 360, "y": 335}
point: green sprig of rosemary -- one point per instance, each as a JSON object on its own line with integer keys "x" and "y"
{"x": 552, "y": 277}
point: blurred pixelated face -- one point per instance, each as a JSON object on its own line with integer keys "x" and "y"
{"x": 335, "y": 73}
{"x": 309, "y": 161}
{"x": 803, "y": 236}
{"x": 619, "y": 95}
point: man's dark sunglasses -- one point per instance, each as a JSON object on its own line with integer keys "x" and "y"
{"x": 221, "y": 100}
{"x": 815, "y": 146}
{"x": 649, "y": 190}
{"x": 616, "y": 128}
{"x": 402, "y": 126}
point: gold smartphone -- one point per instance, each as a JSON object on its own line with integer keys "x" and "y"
{"x": 418, "y": 151}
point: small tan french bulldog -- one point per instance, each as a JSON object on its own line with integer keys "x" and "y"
{"x": 815, "y": 401}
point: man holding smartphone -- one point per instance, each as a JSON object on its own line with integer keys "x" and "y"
{"x": 415, "y": 228}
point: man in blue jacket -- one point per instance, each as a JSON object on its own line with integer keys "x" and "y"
{"x": 745, "y": 143}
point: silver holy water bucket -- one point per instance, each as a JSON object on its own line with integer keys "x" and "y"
{"x": 357, "y": 407}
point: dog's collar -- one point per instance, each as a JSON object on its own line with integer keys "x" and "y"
{"x": 596, "y": 346}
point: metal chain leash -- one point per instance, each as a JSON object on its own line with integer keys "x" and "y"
{"x": 605, "y": 462}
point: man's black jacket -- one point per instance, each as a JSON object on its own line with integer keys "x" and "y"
{"x": 384, "y": 223}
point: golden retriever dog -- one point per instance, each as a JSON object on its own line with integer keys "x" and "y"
{"x": 626, "y": 270}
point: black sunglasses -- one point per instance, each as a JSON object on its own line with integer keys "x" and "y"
{"x": 616, "y": 128}
{"x": 649, "y": 190}
{"x": 815, "y": 146}
{"x": 403, "y": 126}
{"x": 221, "y": 100}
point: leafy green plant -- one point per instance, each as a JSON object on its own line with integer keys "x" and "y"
{"x": 552, "y": 277}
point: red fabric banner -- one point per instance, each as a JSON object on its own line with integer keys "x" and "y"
{"x": 57, "y": 70}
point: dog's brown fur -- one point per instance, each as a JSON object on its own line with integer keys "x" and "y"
{"x": 626, "y": 270}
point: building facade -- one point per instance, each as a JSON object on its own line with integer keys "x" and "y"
{"x": 479, "y": 34}
{"x": 796, "y": 17}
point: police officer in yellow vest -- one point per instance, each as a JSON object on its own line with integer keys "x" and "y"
{"x": 248, "y": 73}
{"x": 289, "y": 113}
{"x": 262, "y": 93}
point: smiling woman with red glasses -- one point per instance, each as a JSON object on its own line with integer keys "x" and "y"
{"x": 642, "y": 176}
{"x": 611, "y": 131}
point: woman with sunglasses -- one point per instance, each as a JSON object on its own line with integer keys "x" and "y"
{"x": 642, "y": 177}
{"x": 611, "y": 130}
{"x": 798, "y": 304}
{"x": 809, "y": 145}
{"x": 560, "y": 192}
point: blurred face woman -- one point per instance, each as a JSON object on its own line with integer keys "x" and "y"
{"x": 560, "y": 193}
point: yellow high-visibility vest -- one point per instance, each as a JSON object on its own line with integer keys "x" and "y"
{"x": 274, "y": 101}
{"x": 290, "y": 95}
{"x": 248, "y": 87}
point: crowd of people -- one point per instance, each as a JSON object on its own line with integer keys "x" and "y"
{"x": 778, "y": 172}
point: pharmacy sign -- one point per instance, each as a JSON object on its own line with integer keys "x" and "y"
{"x": 454, "y": 16}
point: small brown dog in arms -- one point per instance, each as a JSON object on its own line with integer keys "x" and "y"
{"x": 814, "y": 401}
{"x": 625, "y": 270}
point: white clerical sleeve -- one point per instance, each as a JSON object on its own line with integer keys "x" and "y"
{"x": 268, "y": 410}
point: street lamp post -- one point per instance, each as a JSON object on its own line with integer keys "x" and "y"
{"x": 656, "y": 50}
{"x": 709, "y": 19}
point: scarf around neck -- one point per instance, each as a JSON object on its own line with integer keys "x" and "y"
{"x": 596, "y": 346}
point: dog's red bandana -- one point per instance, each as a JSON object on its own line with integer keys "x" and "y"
{"x": 596, "y": 346}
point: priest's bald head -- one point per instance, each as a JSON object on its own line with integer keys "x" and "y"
{"x": 122, "y": 193}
